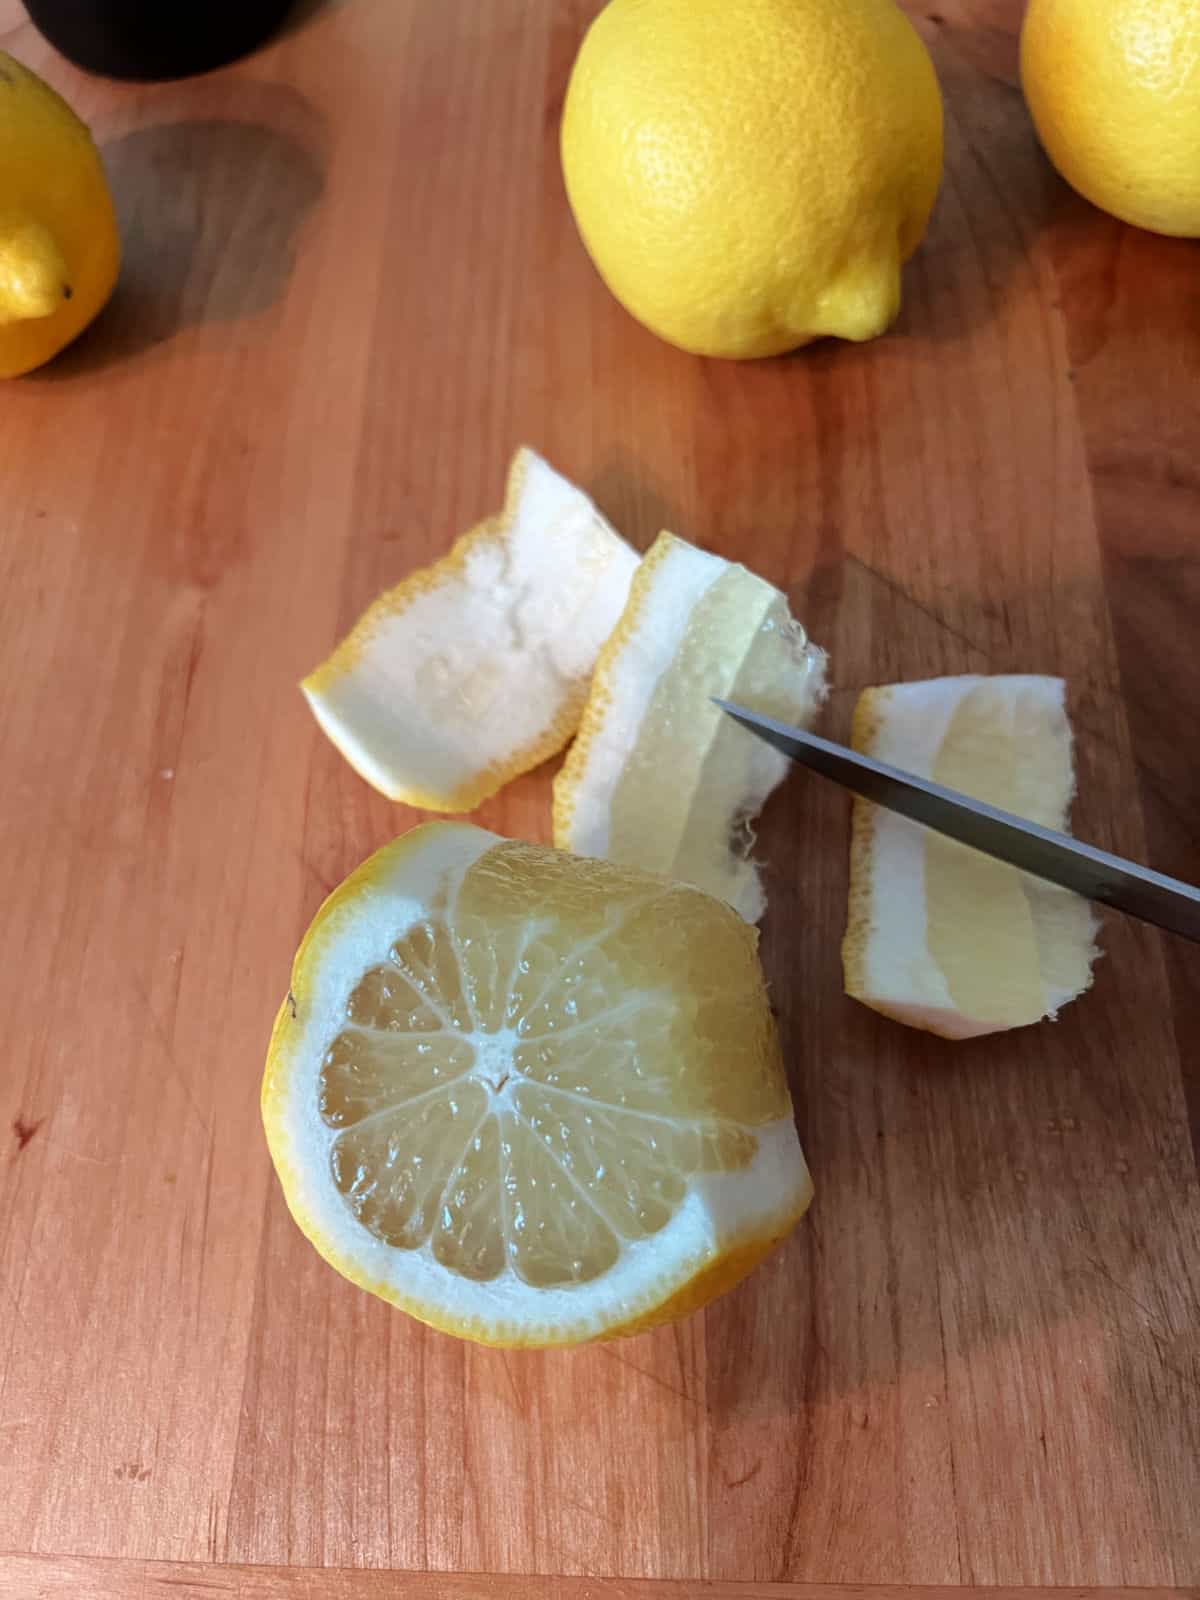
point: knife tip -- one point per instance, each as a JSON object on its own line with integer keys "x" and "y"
{"x": 738, "y": 713}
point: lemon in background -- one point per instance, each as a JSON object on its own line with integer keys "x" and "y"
{"x": 59, "y": 249}
{"x": 1113, "y": 87}
{"x": 748, "y": 175}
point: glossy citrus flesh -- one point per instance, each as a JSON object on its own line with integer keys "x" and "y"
{"x": 529, "y": 1098}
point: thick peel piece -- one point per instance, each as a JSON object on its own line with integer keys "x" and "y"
{"x": 476, "y": 669}
{"x": 938, "y": 935}
{"x": 658, "y": 777}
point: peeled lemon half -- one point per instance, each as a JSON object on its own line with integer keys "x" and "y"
{"x": 528, "y": 1098}
{"x": 939, "y": 935}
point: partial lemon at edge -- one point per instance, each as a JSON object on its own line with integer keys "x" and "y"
{"x": 1113, "y": 87}
{"x": 59, "y": 248}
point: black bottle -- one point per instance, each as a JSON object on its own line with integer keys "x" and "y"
{"x": 155, "y": 38}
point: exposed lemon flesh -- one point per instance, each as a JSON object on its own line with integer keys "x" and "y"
{"x": 529, "y": 1098}
{"x": 659, "y": 777}
{"x": 476, "y": 669}
{"x": 940, "y": 936}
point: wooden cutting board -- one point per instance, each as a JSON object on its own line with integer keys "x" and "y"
{"x": 352, "y": 288}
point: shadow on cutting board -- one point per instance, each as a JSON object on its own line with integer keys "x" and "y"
{"x": 211, "y": 208}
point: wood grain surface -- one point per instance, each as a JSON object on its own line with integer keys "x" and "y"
{"x": 68, "y": 1577}
{"x": 352, "y": 287}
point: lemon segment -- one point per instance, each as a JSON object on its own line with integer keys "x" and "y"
{"x": 476, "y": 669}
{"x": 1113, "y": 87}
{"x": 59, "y": 248}
{"x": 940, "y": 936}
{"x": 748, "y": 175}
{"x": 658, "y": 777}
{"x": 530, "y": 1099}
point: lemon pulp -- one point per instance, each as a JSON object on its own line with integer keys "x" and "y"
{"x": 551, "y": 1068}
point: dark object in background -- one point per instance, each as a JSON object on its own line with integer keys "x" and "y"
{"x": 155, "y": 38}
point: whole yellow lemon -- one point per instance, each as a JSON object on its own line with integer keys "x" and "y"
{"x": 1114, "y": 90}
{"x": 748, "y": 175}
{"x": 59, "y": 250}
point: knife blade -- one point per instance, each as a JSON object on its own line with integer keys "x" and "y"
{"x": 1057, "y": 857}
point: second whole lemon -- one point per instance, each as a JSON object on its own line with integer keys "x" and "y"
{"x": 59, "y": 248}
{"x": 1113, "y": 87}
{"x": 748, "y": 175}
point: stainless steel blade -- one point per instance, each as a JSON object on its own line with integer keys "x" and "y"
{"x": 1056, "y": 857}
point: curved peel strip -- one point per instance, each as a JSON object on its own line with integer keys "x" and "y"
{"x": 658, "y": 777}
{"x": 528, "y": 1098}
{"x": 476, "y": 669}
{"x": 940, "y": 936}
